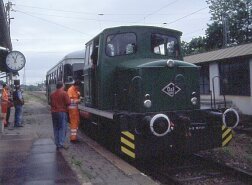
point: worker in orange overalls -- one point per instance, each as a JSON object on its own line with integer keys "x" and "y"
{"x": 74, "y": 116}
{"x": 4, "y": 103}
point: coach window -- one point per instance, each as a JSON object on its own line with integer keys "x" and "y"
{"x": 60, "y": 73}
{"x": 121, "y": 44}
{"x": 68, "y": 73}
{"x": 50, "y": 79}
{"x": 54, "y": 77}
{"x": 57, "y": 75}
{"x": 78, "y": 71}
{"x": 164, "y": 45}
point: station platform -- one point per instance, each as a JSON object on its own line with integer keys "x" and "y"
{"x": 28, "y": 156}
{"x": 29, "y": 162}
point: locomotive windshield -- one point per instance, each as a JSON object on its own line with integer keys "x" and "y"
{"x": 121, "y": 44}
{"x": 164, "y": 45}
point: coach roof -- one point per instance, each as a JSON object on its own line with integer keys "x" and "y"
{"x": 67, "y": 59}
{"x": 75, "y": 54}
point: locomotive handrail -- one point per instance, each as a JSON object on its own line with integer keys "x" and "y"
{"x": 135, "y": 78}
{"x": 102, "y": 113}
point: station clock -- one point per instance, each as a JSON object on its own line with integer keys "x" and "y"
{"x": 15, "y": 61}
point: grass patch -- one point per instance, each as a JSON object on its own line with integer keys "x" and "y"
{"x": 76, "y": 162}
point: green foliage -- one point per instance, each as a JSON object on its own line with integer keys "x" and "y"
{"x": 196, "y": 45}
{"x": 236, "y": 15}
{"x": 214, "y": 36}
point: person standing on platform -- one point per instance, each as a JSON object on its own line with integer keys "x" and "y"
{"x": 4, "y": 103}
{"x": 74, "y": 116}
{"x": 18, "y": 101}
{"x": 59, "y": 108}
{"x": 10, "y": 104}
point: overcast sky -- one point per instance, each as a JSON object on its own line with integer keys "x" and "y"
{"x": 46, "y": 30}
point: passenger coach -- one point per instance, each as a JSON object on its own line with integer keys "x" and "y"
{"x": 67, "y": 70}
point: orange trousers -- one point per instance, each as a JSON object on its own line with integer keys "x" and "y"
{"x": 74, "y": 117}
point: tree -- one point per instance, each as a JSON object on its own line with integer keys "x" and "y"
{"x": 214, "y": 36}
{"x": 185, "y": 48}
{"x": 237, "y": 15}
{"x": 196, "y": 45}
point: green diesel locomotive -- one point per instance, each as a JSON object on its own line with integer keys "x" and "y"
{"x": 141, "y": 99}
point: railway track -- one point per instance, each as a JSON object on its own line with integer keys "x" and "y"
{"x": 38, "y": 94}
{"x": 194, "y": 170}
{"x": 247, "y": 131}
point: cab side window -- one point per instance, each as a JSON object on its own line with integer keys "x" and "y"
{"x": 88, "y": 55}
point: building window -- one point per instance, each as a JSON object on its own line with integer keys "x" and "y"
{"x": 236, "y": 77}
{"x": 204, "y": 79}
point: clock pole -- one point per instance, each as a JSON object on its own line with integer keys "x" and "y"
{"x": 24, "y": 79}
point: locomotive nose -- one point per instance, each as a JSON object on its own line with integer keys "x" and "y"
{"x": 230, "y": 118}
{"x": 160, "y": 125}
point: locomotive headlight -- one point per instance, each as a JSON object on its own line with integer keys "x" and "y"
{"x": 230, "y": 118}
{"x": 170, "y": 63}
{"x": 147, "y": 103}
{"x": 160, "y": 125}
{"x": 194, "y": 100}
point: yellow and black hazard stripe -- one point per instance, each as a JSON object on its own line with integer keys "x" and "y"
{"x": 128, "y": 144}
{"x": 227, "y": 135}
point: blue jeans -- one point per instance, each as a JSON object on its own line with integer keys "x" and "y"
{"x": 18, "y": 114}
{"x": 59, "y": 120}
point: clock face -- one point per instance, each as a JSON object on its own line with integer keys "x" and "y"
{"x": 15, "y": 60}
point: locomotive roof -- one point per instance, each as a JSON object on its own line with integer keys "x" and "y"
{"x": 138, "y": 27}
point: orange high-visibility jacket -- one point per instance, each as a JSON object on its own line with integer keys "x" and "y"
{"x": 74, "y": 116}
{"x": 4, "y": 100}
{"x": 74, "y": 96}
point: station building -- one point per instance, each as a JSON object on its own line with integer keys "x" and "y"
{"x": 226, "y": 73}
